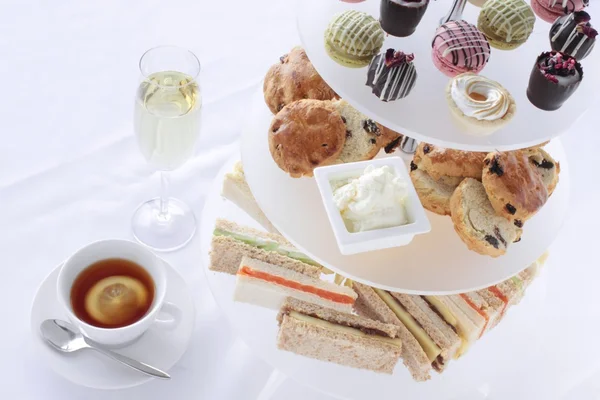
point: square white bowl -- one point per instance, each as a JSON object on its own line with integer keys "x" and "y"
{"x": 377, "y": 239}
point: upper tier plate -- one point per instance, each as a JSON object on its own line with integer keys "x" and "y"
{"x": 436, "y": 262}
{"x": 424, "y": 114}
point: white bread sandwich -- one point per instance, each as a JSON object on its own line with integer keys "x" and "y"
{"x": 328, "y": 335}
{"x": 268, "y": 285}
{"x": 231, "y": 242}
{"x": 236, "y": 189}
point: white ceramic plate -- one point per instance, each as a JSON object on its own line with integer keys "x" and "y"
{"x": 157, "y": 347}
{"x": 437, "y": 262}
{"x": 489, "y": 366}
{"x": 424, "y": 114}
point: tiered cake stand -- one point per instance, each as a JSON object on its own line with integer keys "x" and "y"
{"x": 435, "y": 263}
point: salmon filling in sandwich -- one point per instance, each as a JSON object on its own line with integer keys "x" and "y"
{"x": 268, "y": 285}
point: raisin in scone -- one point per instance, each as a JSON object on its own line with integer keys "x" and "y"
{"x": 391, "y": 139}
{"x": 439, "y": 161}
{"x": 548, "y": 168}
{"x": 476, "y": 222}
{"x": 364, "y": 137}
{"x": 514, "y": 186}
{"x": 434, "y": 194}
{"x": 306, "y": 134}
{"x": 294, "y": 78}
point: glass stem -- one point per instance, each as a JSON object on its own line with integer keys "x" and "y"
{"x": 164, "y": 195}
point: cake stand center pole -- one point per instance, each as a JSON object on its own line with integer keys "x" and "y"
{"x": 456, "y": 12}
{"x": 408, "y": 145}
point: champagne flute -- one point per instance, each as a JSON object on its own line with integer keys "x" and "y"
{"x": 167, "y": 125}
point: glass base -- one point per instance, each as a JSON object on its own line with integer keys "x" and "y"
{"x": 164, "y": 233}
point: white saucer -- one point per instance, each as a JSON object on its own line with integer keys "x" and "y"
{"x": 157, "y": 347}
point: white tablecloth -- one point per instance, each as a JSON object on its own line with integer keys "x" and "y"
{"x": 70, "y": 173}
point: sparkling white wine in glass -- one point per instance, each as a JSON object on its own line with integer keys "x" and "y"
{"x": 167, "y": 125}
{"x": 167, "y": 118}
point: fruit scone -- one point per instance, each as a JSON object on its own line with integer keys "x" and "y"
{"x": 514, "y": 185}
{"x": 306, "y": 134}
{"x": 437, "y": 171}
{"x": 548, "y": 168}
{"x": 434, "y": 193}
{"x": 439, "y": 161}
{"x": 294, "y": 78}
{"x": 364, "y": 137}
{"x": 476, "y": 222}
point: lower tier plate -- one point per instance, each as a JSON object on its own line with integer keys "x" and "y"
{"x": 496, "y": 366}
{"x": 434, "y": 263}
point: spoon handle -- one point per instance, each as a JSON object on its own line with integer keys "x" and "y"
{"x": 130, "y": 362}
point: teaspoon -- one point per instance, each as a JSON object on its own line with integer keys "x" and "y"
{"x": 64, "y": 337}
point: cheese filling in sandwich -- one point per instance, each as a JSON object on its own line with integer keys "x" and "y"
{"x": 467, "y": 323}
{"x": 438, "y": 339}
{"x": 474, "y": 313}
{"x": 268, "y": 285}
{"x": 328, "y": 335}
{"x": 231, "y": 242}
{"x": 369, "y": 304}
{"x": 428, "y": 341}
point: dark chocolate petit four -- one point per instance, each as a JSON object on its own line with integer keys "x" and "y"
{"x": 401, "y": 17}
{"x": 554, "y": 78}
{"x": 573, "y": 35}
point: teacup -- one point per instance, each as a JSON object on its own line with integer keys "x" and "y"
{"x": 122, "y": 249}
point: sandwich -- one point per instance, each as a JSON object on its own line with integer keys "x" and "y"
{"x": 268, "y": 285}
{"x": 511, "y": 291}
{"x": 236, "y": 189}
{"x": 474, "y": 313}
{"x": 494, "y": 306}
{"x": 426, "y": 331}
{"x": 370, "y": 305}
{"x": 470, "y": 315}
{"x": 429, "y": 342}
{"x": 436, "y": 329}
{"x": 466, "y": 322}
{"x": 329, "y": 335}
{"x": 231, "y": 242}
